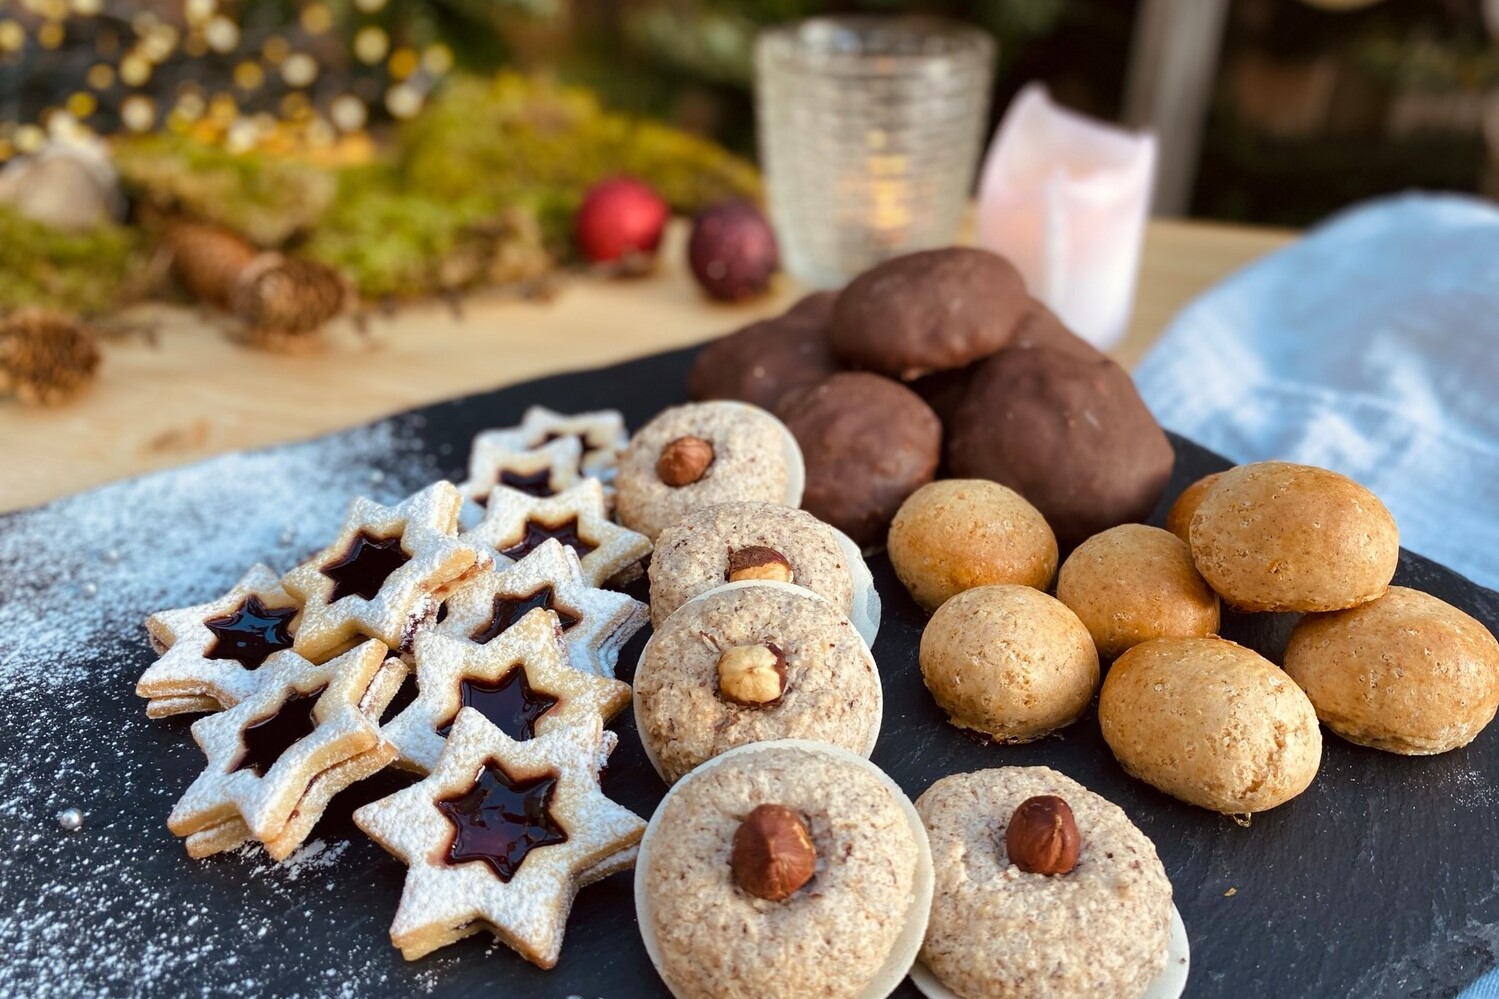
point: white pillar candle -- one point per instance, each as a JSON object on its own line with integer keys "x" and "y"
{"x": 1065, "y": 197}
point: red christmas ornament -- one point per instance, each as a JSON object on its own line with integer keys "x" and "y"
{"x": 733, "y": 251}
{"x": 621, "y": 218}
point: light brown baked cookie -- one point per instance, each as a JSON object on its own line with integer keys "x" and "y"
{"x": 1008, "y": 661}
{"x": 1179, "y": 517}
{"x": 702, "y": 454}
{"x": 751, "y": 662}
{"x": 998, "y": 932}
{"x": 1407, "y": 673}
{"x": 720, "y": 544}
{"x": 1210, "y": 722}
{"x": 956, "y": 534}
{"x": 1282, "y": 537}
{"x": 1133, "y": 583}
{"x": 852, "y": 931}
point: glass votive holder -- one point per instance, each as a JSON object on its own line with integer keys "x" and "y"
{"x": 870, "y": 131}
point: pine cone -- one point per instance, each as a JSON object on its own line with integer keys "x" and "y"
{"x": 46, "y": 357}
{"x": 208, "y": 260}
{"x": 290, "y": 295}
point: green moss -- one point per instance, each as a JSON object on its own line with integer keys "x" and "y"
{"x": 266, "y": 199}
{"x": 480, "y": 188}
{"x": 85, "y": 272}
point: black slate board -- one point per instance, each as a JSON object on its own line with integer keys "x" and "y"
{"x": 1381, "y": 880}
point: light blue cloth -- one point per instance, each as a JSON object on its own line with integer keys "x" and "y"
{"x": 1371, "y": 347}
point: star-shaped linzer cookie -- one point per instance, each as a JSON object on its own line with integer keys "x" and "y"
{"x": 210, "y": 653}
{"x": 515, "y": 525}
{"x": 521, "y": 682}
{"x": 384, "y": 573}
{"x": 496, "y": 461}
{"x": 596, "y": 623}
{"x": 277, "y": 757}
{"x": 600, "y": 434}
{"x": 502, "y": 835}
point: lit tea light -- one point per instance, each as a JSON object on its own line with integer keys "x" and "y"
{"x": 1066, "y": 197}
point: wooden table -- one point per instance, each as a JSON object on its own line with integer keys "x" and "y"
{"x": 193, "y": 394}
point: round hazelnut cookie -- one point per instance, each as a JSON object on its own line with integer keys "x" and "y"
{"x": 1009, "y": 662}
{"x": 733, "y": 542}
{"x": 869, "y": 442}
{"x": 1406, "y": 672}
{"x": 956, "y": 534}
{"x": 702, "y": 454}
{"x": 761, "y": 362}
{"x": 1281, "y": 537}
{"x": 1184, "y": 508}
{"x": 928, "y": 311}
{"x": 1044, "y": 889}
{"x": 1068, "y": 433}
{"x": 782, "y": 870}
{"x": 750, "y": 662}
{"x": 1133, "y": 583}
{"x": 1210, "y": 722}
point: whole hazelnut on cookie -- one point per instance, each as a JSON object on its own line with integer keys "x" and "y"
{"x": 752, "y": 674}
{"x": 772, "y": 855}
{"x": 758, "y": 562}
{"x": 683, "y": 461}
{"x": 1042, "y": 836}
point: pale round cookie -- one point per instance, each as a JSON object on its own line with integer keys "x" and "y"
{"x": 1133, "y": 583}
{"x": 956, "y": 534}
{"x": 1407, "y": 673}
{"x": 1281, "y": 537}
{"x": 1179, "y": 517}
{"x": 852, "y": 932}
{"x": 1009, "y": 661}
{"x": 997, "y": 932}
{"x": 717, "y": 544}
{"x": 1210, "y": 722}
{"x": 702, "y": 454}
{"x": 688, "y": 708}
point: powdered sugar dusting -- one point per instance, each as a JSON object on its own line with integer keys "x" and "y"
{"x": 116, "y": 907}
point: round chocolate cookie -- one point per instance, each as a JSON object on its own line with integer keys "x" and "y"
{"x": 944, "y": 390}
{"x": 928, "y": 311}
{"x": 763, "y": 361}
{"x": 1070, "y": 435}
{"x": 784, "y": 870}
{"x": 868, "y": 443}
{"x": 753, "y": 661}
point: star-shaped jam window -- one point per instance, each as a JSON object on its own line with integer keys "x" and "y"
{"x": 514, "y": 525}
{"x": 501, "y": 835}
{"x": 508, "y": 610}
{"x": 532, "y": 483}
{"x": 585, "y": 445}
{"x": 365, "y": 567}
{"x": 251, "y": 632}
{"x": 500, "y": 821}
{"x": 538, "y": 533}
{"x": 510, "y": 702}
{"x": 267, "y": 739}
{"x": 523, "y": 683}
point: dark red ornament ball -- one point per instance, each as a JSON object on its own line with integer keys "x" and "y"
{"x": 620, "y": 217}
{"x": 733, "y": 251}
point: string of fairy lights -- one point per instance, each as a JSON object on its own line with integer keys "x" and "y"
{"x": 241, "y": 74}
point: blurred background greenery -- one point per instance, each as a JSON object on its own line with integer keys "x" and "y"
{"x": 1312, "y": 107}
